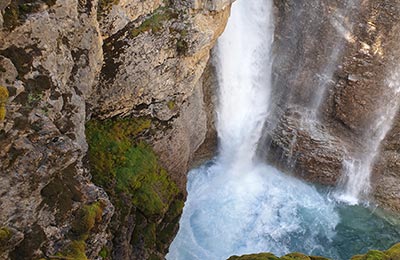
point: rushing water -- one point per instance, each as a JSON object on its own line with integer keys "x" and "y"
{"x": 237, "y": 205}
{"x": 355, "y": 184}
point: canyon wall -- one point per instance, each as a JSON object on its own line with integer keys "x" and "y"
{"x": 93, "y": 91}
{"x": 336, "y": 78}
{"x": 102, "y": 111}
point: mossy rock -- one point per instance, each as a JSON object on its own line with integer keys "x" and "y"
{"x": 18, "y": 10}
{"x": 3, "y": 102}
{"x": 394, "y": 252}
{"x": 122, "y": 164}
{"x": 154, "y": 22}
{"x": 104, "y": 253}
{"x": 295, "y": 256}
{"x": 5, "y": 236}
{"x": 372, "y": 255}
{"x": 261, "y": 256}
{"x": 318, "y": 258}
{"x": 128, "y": 169}
{"x": 75, "y": 250}
{"x": 86, "y": 219}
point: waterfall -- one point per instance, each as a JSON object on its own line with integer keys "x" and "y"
{"x": 355, "y": 183}
{"x": 244, "y": 71}
{"x": 235, "y": 204}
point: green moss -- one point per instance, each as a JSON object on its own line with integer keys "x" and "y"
{"x": 375, "y": 255}
{"x": 5, "y": 236}
{"x": 295, "y": 256}
{"x": 124, "y": 165}
{"x": 86, "y": 219}
{"x": 171, "y": 105}
{"x": 154, "y": 22}
{"x": 394, "y": 252}
{"x": 318, "y": 258}
{"x": 168, "y": 227}
{"x": 18, "y": 10}
{"x": 84, "y": 222}
{"x": 128, "y": 169}
{"x": 357, "y": 257}
{"x": 75, "y": 251}
{"x": 3, "y": 102}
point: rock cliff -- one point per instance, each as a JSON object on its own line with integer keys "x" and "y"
{"x": 104, "y": 105}
{"x": 335, "y": 82}
{"x": 91, "y": 90}
{"x": 391, "y": 253}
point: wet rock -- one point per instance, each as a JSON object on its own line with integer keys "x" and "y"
{"x": 344, "y": 81}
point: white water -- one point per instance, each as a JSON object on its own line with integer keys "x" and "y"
{"x": 355, "y": 184}
{"x": 236, "y": 205}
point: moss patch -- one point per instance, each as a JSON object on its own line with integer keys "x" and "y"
{"x": 125, "y": 165}
{"x": 104, "y": 253}
{"x": 154, "y": 22}
{"x": 85, "y": 221}
{"x": 75, "y": 250}
{"x": 18, "y": 10}
{"x": 171, "y": 105}
{"x": 3, "y": 102}
{"x": 295, "y": 256}
{"x": 128, "y": 169}
{"x": 394, "y": 252}
{"x": 5, "y": 236}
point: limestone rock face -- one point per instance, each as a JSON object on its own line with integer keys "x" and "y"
{"x": 49, "y": 61}
{"x": 63, "y": 62}
{"x": 153, "y": 67}
{"x": 334, "y": 67}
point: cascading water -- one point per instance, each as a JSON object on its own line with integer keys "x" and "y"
{"x": 237, "y": 205}
{"x": 355, "y": 184}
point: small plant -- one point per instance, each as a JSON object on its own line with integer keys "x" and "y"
{"x": 75, "y": 251}
{"x": 104, "y": 252}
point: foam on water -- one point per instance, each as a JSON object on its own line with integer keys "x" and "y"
{"x": 259, "y": 210}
